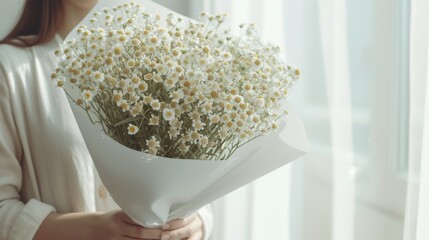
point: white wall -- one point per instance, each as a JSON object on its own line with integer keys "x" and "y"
{"x": 9, "y": 14}
{"x": 180, "y": 6}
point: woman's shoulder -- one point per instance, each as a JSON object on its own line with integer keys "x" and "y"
{"x": 12, "y": 55}
{"x": 13, "y": 62}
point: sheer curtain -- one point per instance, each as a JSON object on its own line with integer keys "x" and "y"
{"x": 303, "y": 192}
{"x": 417, "y": 216}
{"x": 353, "y": 98}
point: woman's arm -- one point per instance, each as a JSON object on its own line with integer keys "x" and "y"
{"x": 17, "y": 220}
{"x": 90, "y": 226}
{"x": 67, "y": 226}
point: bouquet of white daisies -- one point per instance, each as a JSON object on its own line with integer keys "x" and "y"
{"x": 184, "y": 90}
{"x": 164, "y": 89}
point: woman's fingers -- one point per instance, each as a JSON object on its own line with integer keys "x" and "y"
{"x": 132, "y": 230}
{"x": 197, "y": 236}
{"x": 126, "y": 219}
{"x": 178, "y": 223}
{"x": 186, "y": 231}
{"x": 138, "y": 232}
{"x": 189, "y": 228}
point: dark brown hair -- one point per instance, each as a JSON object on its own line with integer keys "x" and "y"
{"x": 38, "y": 23}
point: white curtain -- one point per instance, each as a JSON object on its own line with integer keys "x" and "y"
{"x": 353, "y": 98}
{"x": 333, "y": 27}
{"x": 417, "y": 216}
{"x": 315, "y": 39}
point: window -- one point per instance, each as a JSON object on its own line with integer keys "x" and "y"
{"x": 378, "y": 44}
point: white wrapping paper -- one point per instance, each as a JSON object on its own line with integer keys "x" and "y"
{"x": 153, "y": 190}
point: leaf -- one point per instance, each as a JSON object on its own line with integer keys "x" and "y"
{"x": 128, "y": 120}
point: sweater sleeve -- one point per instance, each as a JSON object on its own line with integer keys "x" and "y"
{"x": 206, "y": 215}
{"x": 18, "y": 220}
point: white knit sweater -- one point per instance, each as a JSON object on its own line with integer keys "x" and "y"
{"x": 45, "y": 165}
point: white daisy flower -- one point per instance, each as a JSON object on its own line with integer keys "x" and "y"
{"x": 204, "y": 141}
{"x": 147, "y": 99}
{"x": 148, "y": 76}
{"x": 123, "y": 38}
{"x": 132, "y": 129}
{"x": 184, "y": 148}
{"x": 240, "y": 123}
{"x": 176, "y": 52}
{"x": 60, "y": 83}
{"x": 98, "y": 76}
{"x": 153, "y": 41}
{"x": 215, "y": 119}
{"x": 137, "y": 109}
{"x": 168, "y": 114}
{"x": 223, "y": 133}
{"x": 124, "y": 105}
{"x": 156, "y": 105}
{"x": 226, "y": 56}
{"x": 170, "y": 83}
{"x": 87, "y": 95}
{"x": 118, "y": 50}
{"x": 177, "y": 95}
{"x": 143, "y": 87}
{"x": 207, "y": 107}
{"x": 231, "y": 125}
{"x": 198, "y": 125}
{"x": 152, "y": 143}
{"x": 243, "y": 116}
{"x": 195, "y": 135}
{"x": 154, "y": 120}
{"x": 117, "y": 97}
{"x": 131, "y": 63}
{"x": 157, "y": 78}
{"x": 196, "y": 116}
{"x": 256, "y": 119}
{"x": 202, "y": 62}
{"x": 274, "y": 125}
{"x": 152, "y": 151}
{"x": 243, "y": 136}
{"x": 133, "y": 98}
{"x": 233, "y": 115}
{"x": 173, "y": 132}
{"x": 225, "y": 118}
{"x": 135, "y": 80}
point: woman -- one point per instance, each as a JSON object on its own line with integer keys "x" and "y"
{"x": 48, "y": 186}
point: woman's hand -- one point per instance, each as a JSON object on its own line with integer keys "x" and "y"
{"x": 190, "y": 228}
{"x": 116, "y": 225}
